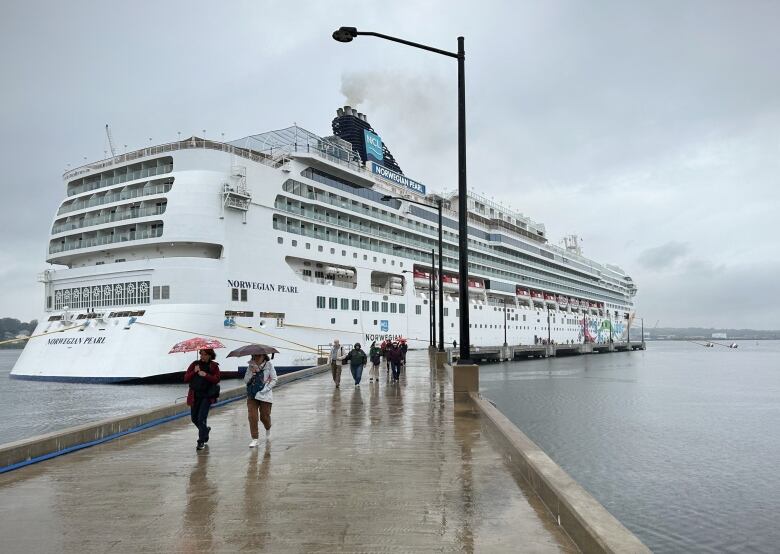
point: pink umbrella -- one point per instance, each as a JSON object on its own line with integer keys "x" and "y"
{"x": 194, "y": 344}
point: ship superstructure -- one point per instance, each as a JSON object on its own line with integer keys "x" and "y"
{"x": 284, "y": 238}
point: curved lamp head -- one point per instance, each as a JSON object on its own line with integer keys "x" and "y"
{"x": 345, "y": 34}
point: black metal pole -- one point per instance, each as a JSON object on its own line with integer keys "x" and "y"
{"x": 441, "y": 285}
{"x": 643, "y": 328}
{"x": 463, "y": 238}
{"x": 628, "y": 331}
{"x": 433, "y": 298}
{"x": 505, "y": 344}
{"x": 549, "y": 335}
{"x": 430, "y": 308}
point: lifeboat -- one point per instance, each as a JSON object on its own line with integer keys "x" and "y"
{"x": 563, "y": 302}
{"x": 549, "y": 299}
{"x": 449, "y": 283}
{"x": 421, "y": 279}
{"x": 476, "y": 285}
{"x": 523, "y": 296}
{"x": 574, "y": 304}
{"x": 538, "y": 298}
{"x": 396, "y": 283}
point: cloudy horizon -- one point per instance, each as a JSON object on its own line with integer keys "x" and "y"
{"x": 648, "y": 129}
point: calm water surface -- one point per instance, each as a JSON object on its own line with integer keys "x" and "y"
{"x": 30, "y": 408}
{"x": 681, "y": 443}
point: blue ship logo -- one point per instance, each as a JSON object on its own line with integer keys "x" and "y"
{"x": 373, "y": 146}
{"x": 384, "y": 325}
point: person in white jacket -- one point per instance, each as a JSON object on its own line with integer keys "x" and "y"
{"x": 261, "y": 366}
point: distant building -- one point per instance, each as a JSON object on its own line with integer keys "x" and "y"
{"x": 719, "y": 336}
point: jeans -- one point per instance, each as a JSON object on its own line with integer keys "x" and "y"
{"x": 199, "y": 412}
{"x": 357, "y": 373}
{"x": 396, "y": 370}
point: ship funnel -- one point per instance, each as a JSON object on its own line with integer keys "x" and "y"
{"x": 340, "y": 112}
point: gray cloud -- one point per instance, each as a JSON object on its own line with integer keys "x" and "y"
{"x": 664, "y": 256}
{"x": 632, "y": 124}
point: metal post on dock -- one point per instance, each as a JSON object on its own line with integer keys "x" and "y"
{"x": 505, "y": 344}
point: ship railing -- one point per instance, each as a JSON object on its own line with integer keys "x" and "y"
{"x": 126, "y": 194}
{"x": 109, "y": 218}
{"x": 107, "y": 239}
{"x": 119, "y": 179}
{"x": 364, "y": 242}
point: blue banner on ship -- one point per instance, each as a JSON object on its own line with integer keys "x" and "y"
{"x": 397, "y": 178}
{"x": 374, "y": 149}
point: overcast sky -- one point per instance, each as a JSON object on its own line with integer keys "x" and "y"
{"x": 650, "y": 129}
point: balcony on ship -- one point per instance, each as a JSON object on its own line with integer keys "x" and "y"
{"x": 129, "y": 192}
{"x": 110, "y": 215}
{"x": 104, "y": 237}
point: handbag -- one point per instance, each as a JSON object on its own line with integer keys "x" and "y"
{"x": 256, "y": 384}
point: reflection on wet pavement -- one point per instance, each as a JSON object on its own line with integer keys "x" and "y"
{"x": 378, "y": 468}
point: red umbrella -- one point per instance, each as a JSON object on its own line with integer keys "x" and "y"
{"x": 197, "y": 343}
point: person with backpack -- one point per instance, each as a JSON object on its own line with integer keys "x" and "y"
{"x": 357, "y": 359}
{"x": 373, "y": 355}
{"x": 260, "y": 376}
{"x": 203, "y": 377}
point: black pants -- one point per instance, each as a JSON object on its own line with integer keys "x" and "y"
{"x": 199, "y": 412}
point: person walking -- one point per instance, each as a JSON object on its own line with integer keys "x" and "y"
{"x": 356, "y": 359}
{"x": 394, "y": 357}
{"x": 335, "y": 363}
{"x": 373, "y": 355}
{"x": 404, "y": 347}
{"x": 203, "y": 378}
{"x": 260, "y": 368}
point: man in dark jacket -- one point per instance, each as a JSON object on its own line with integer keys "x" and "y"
{"x": 203, "y": 377}
{"x": 394, "y": 357}
{"x": 357, "y": 359}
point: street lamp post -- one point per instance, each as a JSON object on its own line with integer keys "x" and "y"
{"x": 387, "y": 198}
{"x": 347, "y": 34}
{"x": 432, "y": 302}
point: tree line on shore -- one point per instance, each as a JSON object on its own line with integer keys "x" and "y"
{"x": 10, "y": 328}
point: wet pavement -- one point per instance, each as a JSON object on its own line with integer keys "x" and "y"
{"x": 379, "y": 468}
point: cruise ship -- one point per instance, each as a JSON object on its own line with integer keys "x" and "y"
{"x": 291, "y": 239}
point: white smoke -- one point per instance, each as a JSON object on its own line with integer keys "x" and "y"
{"x": 416, "y": 115}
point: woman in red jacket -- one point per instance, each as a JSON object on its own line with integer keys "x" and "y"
{"x": 203, "y": 376}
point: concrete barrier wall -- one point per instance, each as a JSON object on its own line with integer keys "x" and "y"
{"x": 42, "y": 447}
{"x": 583, "y": 518}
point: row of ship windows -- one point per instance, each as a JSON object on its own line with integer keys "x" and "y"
{"x": 320, "y": 248}
{"x": 142, "y": 170}
{"x": 365, "y": 305}
{"x": 313, "y": 193}
{"x": 364, "y": 226}
{"x": 302, "y": 228}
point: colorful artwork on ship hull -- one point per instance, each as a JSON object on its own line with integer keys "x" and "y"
{"x": 600, "y": 330}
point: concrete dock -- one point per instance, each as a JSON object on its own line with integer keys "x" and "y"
{"x": 379, "y": 468}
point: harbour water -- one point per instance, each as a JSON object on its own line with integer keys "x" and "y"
{"x": 29, "y": 408}
{"x": 679, "y": 442}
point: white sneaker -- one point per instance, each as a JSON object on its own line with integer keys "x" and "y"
{"x": 253, "y": 444}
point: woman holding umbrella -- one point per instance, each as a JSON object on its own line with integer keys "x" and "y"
{"x": 203, "y": 377}
{"x": 260, "y": 378}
